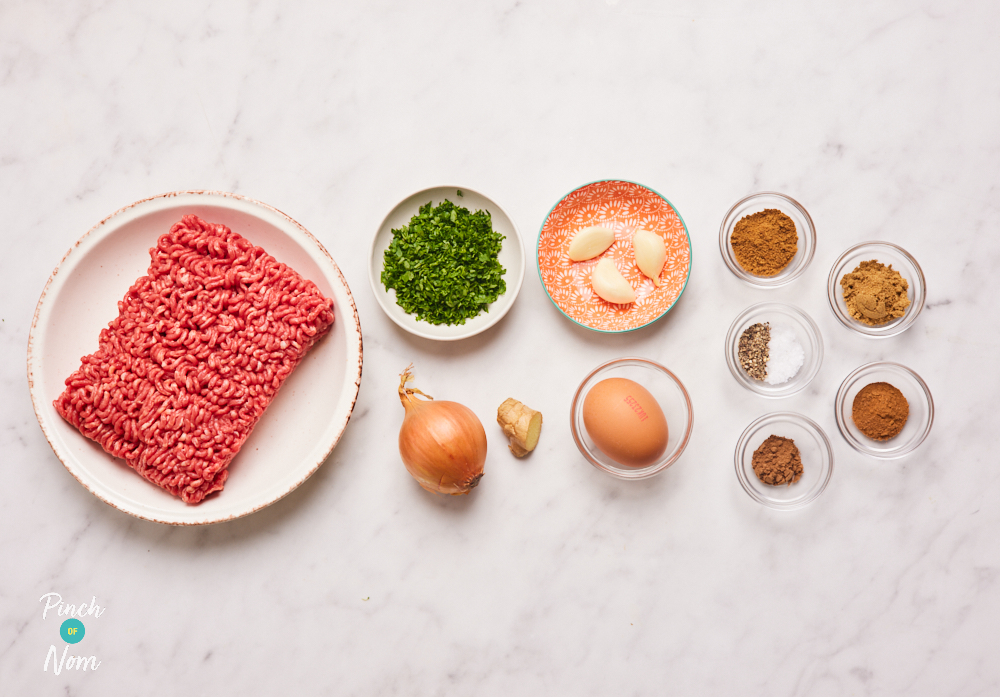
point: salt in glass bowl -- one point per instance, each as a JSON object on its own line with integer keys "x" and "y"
{"x": 917, "y": 394}
{"x": 885, "y": 253}
{"x": 777, "y": 315}
{"x": 814, "y": 449}
{"x": 668, "y": 391}
{"x": 755, "y": 203}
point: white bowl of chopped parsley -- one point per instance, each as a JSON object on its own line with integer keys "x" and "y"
{"x": 446, "y": 263}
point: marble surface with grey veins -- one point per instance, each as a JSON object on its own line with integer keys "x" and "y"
{"x": 882, "y": 118}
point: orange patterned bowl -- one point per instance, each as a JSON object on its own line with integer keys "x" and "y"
{"x": 624, "y": 207}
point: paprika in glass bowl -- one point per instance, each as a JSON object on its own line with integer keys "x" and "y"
{"x": 775, "y": 239}
{"x": 918, "y": 416}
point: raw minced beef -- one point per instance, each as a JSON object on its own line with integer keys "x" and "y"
{"x": 200, "y": 346}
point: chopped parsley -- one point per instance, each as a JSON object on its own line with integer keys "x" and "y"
{"x": 443, "y": 265}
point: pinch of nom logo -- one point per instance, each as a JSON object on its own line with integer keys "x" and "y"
{"x": 71, "y": 631}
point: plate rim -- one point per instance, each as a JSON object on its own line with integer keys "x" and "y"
{"x": 687, "y": 277}
{"x": 381, "y": 295}
{"x": 70, "y": 259}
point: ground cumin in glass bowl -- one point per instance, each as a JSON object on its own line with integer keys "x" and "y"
{"x": 888, "y": 254}
{"x": 755, "y": 203}
{"x": 777, "y": 315}
{"x": 814, "y": 449}
{"x": 917, "y": 394}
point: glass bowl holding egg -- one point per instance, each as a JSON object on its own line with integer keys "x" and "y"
{"x": 631, "y": 418}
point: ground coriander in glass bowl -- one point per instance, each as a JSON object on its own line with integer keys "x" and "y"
{"x": 866, "y": 289}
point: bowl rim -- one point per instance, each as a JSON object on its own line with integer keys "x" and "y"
{"x": 637, "y": 472}
{"x": 741, "y": 446}
{"x": 732, "y": 342}
{"x": 687, "y": 278}
{"x": 761, "y": 281}
{"x": 889, "y": 328}
{"x": 840, "y": 400}
{"x": 513, "y": 289}
{"x": 106, "y": 228}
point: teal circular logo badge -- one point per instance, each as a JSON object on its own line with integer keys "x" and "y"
{"x": 71, "y": 631}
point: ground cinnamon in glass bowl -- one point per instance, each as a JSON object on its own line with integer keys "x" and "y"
{"x": 767, "y": 239}
{"x": 873, "y": 423}
{"x": 769, "y": 445}
{"x": 777, "y": 461}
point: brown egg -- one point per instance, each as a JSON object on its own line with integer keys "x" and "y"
{"x": 625, "y": 421}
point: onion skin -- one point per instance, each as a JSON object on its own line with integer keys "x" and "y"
{"x": 442, "y": 444}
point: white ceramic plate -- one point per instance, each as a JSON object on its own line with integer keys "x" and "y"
{"x": 511, "y": 258}
{"x": 299, "y": 429}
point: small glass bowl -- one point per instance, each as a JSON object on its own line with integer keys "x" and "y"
{"x": 669, "y": 393}
{"x": 887, "y": 254}
{"x": 917, "y": 394}
{"x": 814, "y": 448}
{"x": 777, "y": 315}
{"x": 755, "y": 203}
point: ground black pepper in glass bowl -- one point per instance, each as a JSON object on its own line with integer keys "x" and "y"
{"x": 777, "y": 315}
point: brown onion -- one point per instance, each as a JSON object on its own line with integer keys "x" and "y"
{"x": 443, "y": 444}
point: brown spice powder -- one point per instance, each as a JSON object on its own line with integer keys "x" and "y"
{"x": 875, "y": 293}
{"x": 764, "y": 243}
{"x": 777, "y": 461}
{"x": 880, "y": 411}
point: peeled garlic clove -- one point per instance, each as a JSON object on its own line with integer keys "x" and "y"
{"x": 650, "y": 253}
{"x": 590, "y": 241}
{"x": 610, "y": 284}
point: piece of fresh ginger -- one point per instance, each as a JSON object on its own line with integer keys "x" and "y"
{"x": 521, "y": 425}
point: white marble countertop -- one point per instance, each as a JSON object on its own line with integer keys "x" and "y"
{"x": 882, "y": 118}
